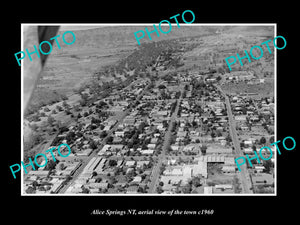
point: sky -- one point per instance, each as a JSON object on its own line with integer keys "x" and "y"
{"x": 76, "y": 27}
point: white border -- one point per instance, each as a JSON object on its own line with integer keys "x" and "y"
{"x": 151, "y": 24}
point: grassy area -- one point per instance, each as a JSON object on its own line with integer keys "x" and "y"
{"x": 216, "y": 176}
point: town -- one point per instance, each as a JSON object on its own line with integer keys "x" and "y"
{"x": 164, "y": 126}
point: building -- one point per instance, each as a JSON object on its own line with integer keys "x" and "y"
{"x": 228, "y": 169}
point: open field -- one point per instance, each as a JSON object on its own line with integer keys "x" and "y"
{"x": 262, "y": 90}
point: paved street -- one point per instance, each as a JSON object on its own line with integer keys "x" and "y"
{"x": 244, "y": 175}
{"x": 155, "y": 172}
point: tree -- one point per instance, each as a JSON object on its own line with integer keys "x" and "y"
{"x": 70, "y": 136}
{"x": 212, "y": 134}
{"x": 187, "y": 189}
{"x": 159, "y": 190}
{"x": 92, "y": 144}
{"x": 219, "y": 133}
{"x": 65, "y": 104}
{"x": 161, "y": 86}
{"x": 141, "y": 190}
{"x": 85, "y": 190}
{"x": 94, "y": 173}
{"x": 244, "y": 110}
{"x": 242, "y": 145}
{"x": 35, "y": 184}
{"x": 68, "y": 178}
{"x": 103, "y": 134}
{"x": 94, "y": 120}
{"x": 64, "y": 97}
{"x": 112, "y": 162}
{"x": 50, "y": 165}
{"x": 110, "y": 139}
{"x": 203, "y": 149}
{"x": 262, "y": 140}
{"x": 195, "y": 181}
{"x": 30, "y": 190}
{"x": 61, "y": 166}
{"x": 268, "y": 164}
{"x": 42, "y": 114}
{"x": 228, "y": 138}
{"x": 50, "y": 120}
{"x": 42, "y": 188}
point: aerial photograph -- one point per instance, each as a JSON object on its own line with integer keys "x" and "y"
{"x": 163, "y": 117}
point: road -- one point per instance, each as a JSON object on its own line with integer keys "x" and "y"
{"x": 244, "y": 175}
{"x": 104, "y": 141}
{"x": 155, "y": 172}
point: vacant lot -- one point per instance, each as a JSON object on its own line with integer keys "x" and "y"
{"x": 216, "y": 176}
{"x": 262, "y": 90}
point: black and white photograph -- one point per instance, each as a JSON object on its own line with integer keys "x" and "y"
{"x": 166, "y": 116}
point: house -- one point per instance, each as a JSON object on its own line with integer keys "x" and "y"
{"x": 104, "y": 150}
{"x": 130, "y": 163}
{"x": 181, "y": 134}
{"x": 161, "y": 128}
{"x": 229, "y": 160}
{"x": 147, "y": 152}
{"x": 228, "y": 169}
{"x": 175, "y": 147}
{"x": 191, "y": 148}
{"x": 38, "y": 173}
{"x": 248, "y": 150}
{"x": 248, "y": 142}
{"x": 171, "y": 161}
{"x": 218, "y": 149}
{"x": 259, "y": 169}
{"x": 151, "y": 146}
{"x": 117, "y": 140}
{"x": 85, "y": 152}
{"x": 244, "y": 128}
{"x": 223, "y": 142}
{"x": 240, "y": 118}
{"x": 119, "y": 133}
{"x": 101, "y": 185}
{"x": 116, "y": 147}
{"x": 107, "y": 128}
{"x": 156, "y": 135}
{"x": 254, "y": 118}
{"x": 153, "y": 140}
{"x": 119, "y": 162}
